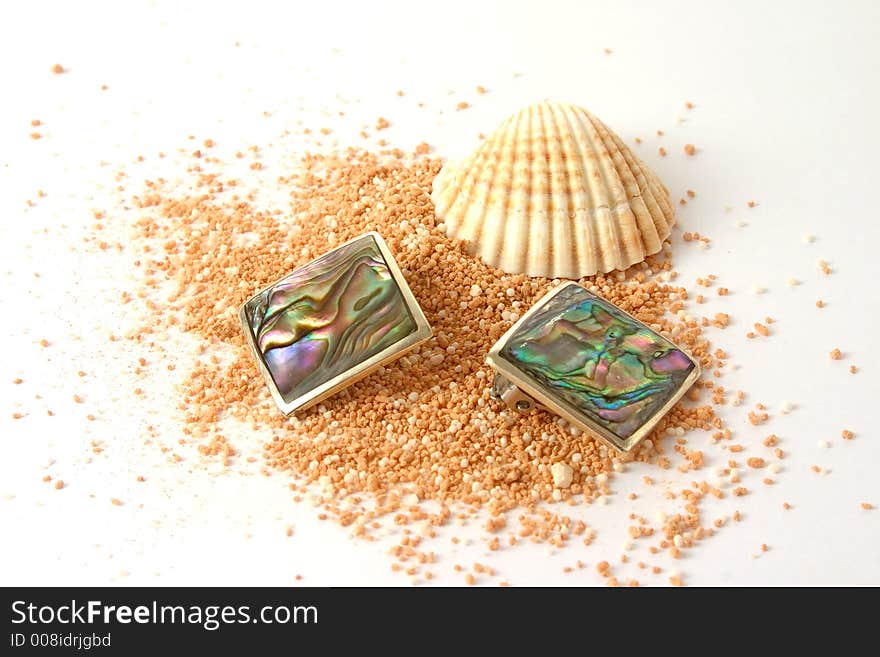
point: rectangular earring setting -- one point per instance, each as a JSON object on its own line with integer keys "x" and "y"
{"x": 598, "y": 367}
{"x": 332, "y": 322}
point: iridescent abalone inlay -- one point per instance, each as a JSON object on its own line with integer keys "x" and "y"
{"x": 609, "y": 366}
{"x": 327, "y": 317}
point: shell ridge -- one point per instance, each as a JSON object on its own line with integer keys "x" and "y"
{"x": 649, "y": 217}
{"x": 547, "y": 200}
{"x": 658, "y": 206}
{"x": 478, "y": 166}
{"x": 604, "y": 221}
{"x": 591, "y": 226}
{"x": 459, "y": 185}
{"x": 629, "y": 223}
{"x": 660, "y": 193}
{"x": 579, "y": 247}
{"x": 645, "y": 233}
{"x": 530, "y": 243}
{"x": 540, "y": 232}
{"x": 660, "y": 214}
{"x": 481, "y": 200}
{"x": 490, "y": 249}
{"x": 646, "y": 180}
{"x": 661, "y": 196}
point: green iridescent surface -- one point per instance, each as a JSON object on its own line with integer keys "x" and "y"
{"x": 327, "y": 317}
{"x": 612, "y": 368}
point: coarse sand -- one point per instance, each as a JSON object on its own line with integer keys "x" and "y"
{"x": 423, "y": 429}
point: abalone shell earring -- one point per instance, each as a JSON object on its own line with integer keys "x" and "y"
{"x": 331, "y": 322}
{"x": 588, "y": 361}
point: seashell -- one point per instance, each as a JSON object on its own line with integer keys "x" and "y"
{"x": 553, "y": 192}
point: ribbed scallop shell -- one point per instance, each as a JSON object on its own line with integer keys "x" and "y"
{"x": 553, "y": 192}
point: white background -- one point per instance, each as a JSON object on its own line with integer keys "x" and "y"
{"x": 786, "y": 105}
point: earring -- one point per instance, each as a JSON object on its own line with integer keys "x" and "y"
{"x": 598, "y": 367}
{"x": 332, "y": 322}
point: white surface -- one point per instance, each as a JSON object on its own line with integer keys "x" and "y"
{"x": 786, "y": 114}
